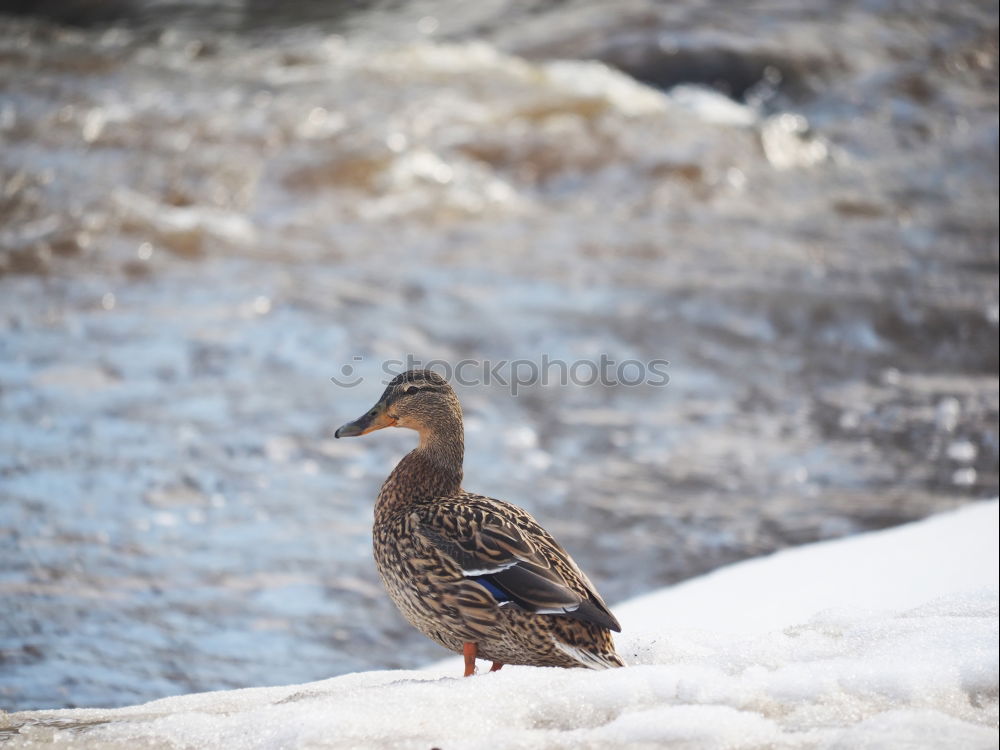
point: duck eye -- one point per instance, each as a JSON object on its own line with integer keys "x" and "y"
{"x": 373, "y": 413}
{"x": 410, "y": 389}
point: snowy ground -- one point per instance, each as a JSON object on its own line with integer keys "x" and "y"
{"x": 882, "y": 640}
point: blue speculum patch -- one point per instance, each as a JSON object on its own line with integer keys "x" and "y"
{"x": 498, "y": 593}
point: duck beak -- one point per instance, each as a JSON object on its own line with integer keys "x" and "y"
{"x": 375, "y": 419}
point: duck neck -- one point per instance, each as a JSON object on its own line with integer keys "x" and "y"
{"x": 431, "y": 470}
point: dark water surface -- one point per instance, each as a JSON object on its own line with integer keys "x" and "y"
{"x": 205, "y": 215}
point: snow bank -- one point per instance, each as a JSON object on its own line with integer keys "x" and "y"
{"x": 883, "y": 640}
{"x": 896, "y": 569}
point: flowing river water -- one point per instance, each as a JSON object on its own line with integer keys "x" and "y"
{"x": 209, "y": 210}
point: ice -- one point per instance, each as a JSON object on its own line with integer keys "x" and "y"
{"x": 883, "y": 640}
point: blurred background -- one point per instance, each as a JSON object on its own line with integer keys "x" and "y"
{"x": 208, "y": 209}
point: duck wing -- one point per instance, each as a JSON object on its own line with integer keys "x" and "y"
{"x": 504, "y": 549}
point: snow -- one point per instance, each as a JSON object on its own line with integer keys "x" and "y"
{"x": 883, "y": 640}
{"x": 895, "y": 569}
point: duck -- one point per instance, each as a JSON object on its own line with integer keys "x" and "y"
{"x": 479, "y": 576}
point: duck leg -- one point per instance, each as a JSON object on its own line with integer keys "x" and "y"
{"x": 469, "y": 651}
{"x": 497, "y": 666}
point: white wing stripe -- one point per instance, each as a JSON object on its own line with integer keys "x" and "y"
{"x": 488, "y": 571}
{"x": 559, "y": 611}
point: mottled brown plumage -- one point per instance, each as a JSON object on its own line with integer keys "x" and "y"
{"x": 476, "y": 575}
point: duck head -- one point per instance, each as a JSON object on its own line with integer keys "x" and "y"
{"x": 420, "y": 400}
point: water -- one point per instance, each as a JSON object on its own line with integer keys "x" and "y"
{"x": 204, "y": 218}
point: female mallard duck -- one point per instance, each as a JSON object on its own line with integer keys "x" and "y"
{"x": 477, "y": 575}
